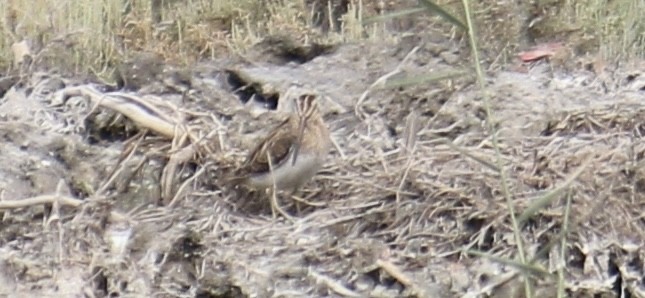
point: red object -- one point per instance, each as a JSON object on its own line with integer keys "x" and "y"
{"x": 540, "y": 51}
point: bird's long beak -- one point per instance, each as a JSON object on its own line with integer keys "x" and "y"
{"x": 301, "y": 132}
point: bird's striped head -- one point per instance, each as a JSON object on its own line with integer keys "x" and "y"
{"x": 306, "y": 106}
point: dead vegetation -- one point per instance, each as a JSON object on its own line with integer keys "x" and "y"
{"x": 96, "y": 37}
{"x": 117, "y": 193}
{"x": 401, "y": 209}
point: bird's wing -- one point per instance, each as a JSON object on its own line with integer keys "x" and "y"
{"x": 278, "y": 145}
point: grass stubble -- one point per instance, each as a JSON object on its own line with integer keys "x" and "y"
{"x": 95, "y": 35}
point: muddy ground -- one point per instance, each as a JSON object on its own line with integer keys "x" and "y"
{"x": 97, "y": 202}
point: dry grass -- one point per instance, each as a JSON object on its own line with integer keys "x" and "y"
{"x": 590, "y": 27}
{"x": 93, "y": 36}
{"x": 420, "y": 202}
{"x": 613, "y": 29}
{"x": 407, "y": 208}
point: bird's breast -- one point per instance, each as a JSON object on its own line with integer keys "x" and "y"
{"x": 289, "y": 175}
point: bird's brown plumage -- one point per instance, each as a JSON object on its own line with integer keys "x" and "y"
{"x": 302, "y": 135}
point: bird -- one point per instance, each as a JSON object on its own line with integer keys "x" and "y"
{"x": 292, "y": 153}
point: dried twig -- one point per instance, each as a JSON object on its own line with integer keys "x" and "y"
{"x": 49, "y": 199}
{"x": 381, "y": 82}
{"x": 333, "y": 285}
{"x": 398, "y": 274}
{"x": 138, "y": 110}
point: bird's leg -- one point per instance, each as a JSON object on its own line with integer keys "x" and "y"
{"x": 274, "y": 203}
{"x": 292, "y": 194}
{"x": 275, "y": 206}
{"x": 274, "y": 197}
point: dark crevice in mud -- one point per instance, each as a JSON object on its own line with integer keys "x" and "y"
{"x": 550, "y": 129}
{"x": 576, "y": 259}
{"x": 9, "y": 231}
{"x": 475, "y": 225}
{"x": 635, "y": 78}
{"x": 108, "y": 127}
{"x": 79, "y": 192}
{"x": 100, "y": 281}
{"x": 228, "y": 291}
{"x": 6, "y": 83}
{"x": 281, "y": 50}
{"x": 247, "y": 90}
{"x": 189, "y": 246}
{"x": 379, "y": 277}
{"x": 619, "y": 286}
{"x": 614, "y": 270}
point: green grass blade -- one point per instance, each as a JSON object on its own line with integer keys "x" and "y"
{"x": 420, "y": 79}
{"x": 393, "y": 15}
{"x": 546, "y": 199}
{"x": 525, "y": 268}
{"x": 430, "y": 6}
{"x": 563, "y": 248}
{"x": 490, "y": 120}
{"x": 466, "y": 153}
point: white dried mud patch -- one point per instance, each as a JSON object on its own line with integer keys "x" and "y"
{"x": 384, "y": 220}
